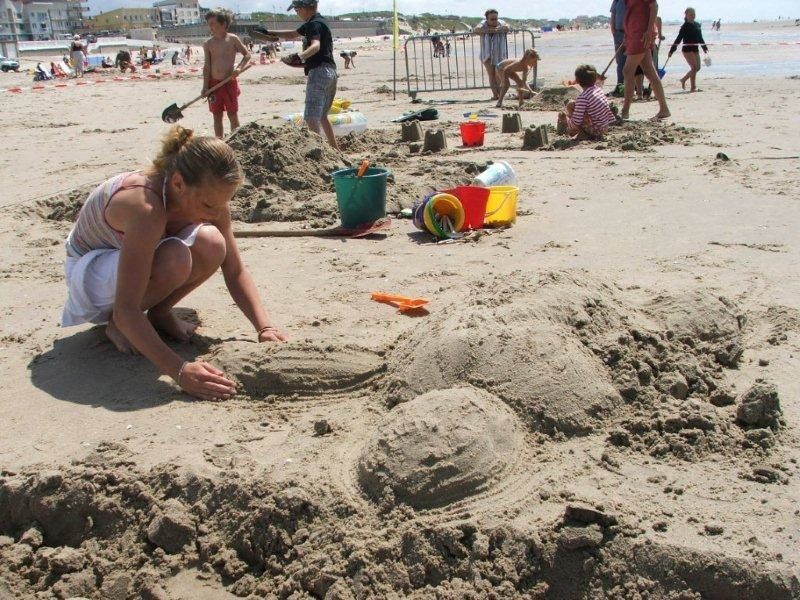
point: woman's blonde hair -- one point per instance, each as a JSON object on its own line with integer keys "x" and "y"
{"x": 197, "y": 159}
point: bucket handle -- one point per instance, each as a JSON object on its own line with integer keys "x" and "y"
{"x": 506, "y": 197}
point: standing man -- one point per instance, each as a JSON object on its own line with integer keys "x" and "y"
{"x": 494, "y": 46}
{"x": 617, "y": 24}
{"x": 640, "y": 35}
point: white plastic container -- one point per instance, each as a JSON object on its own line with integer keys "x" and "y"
{"x": 343, "y": 122}
{"x": 499, "y": 173}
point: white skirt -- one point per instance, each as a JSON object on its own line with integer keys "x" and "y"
{"x": 92, "y": 281}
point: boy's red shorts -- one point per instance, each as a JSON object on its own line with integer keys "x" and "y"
{"x": 225, "y": 99}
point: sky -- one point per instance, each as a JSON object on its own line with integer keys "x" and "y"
{"x": 727, "y": 10}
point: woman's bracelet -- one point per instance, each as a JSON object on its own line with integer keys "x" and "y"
{"x": 180, "y": 372}
{"x": 266, "y": 328}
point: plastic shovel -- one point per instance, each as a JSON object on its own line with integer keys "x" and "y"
{"x": 402, "y": 303}
{"x": 663, "y": 70}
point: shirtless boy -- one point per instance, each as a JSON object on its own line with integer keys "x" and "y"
{"x": 511, "y": 68}
{"x": 220, "y": 52}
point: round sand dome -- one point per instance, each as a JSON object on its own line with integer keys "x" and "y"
{"x": 439, "y": 448}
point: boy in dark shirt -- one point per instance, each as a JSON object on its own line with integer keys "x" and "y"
{"x": 317, "y": 62}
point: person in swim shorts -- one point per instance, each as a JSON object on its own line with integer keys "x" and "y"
{"x": 220, "y": 53}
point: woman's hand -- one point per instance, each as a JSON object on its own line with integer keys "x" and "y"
{"x": 205, "y": 382}
{"x": 272, "y": 334}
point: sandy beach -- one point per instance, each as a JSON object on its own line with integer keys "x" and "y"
{"x": 601, "y": 401}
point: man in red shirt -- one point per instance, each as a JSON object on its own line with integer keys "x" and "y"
{"x": 640, "y": 35}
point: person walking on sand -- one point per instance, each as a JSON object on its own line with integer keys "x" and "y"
{"x": 617, "y": 23}
{"x": 494, "y": 46}
{"x": 220, "y": 53}
{"x": 691, "y": 35}
{"x": 146, "y": 239}
{"x": 640, "y": 35}
{"x": 317, "y": 61}
{"x": 77, "y": 52}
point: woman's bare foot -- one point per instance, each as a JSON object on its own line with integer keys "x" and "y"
{"x": 683, "y": 84}
{"x": 168, "y": 323}
{"x": 116, "y": 337}
{"x": 663, "y": 114}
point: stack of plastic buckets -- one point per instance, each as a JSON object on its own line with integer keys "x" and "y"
{"x": 464, "y": 205}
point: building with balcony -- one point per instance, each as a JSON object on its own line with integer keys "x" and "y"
{"x": 29, "y": 20}
{"x": 172, "y": 13}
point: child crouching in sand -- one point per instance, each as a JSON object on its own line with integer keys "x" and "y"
{"x": 145, "y": 239}
{"x": 512, "y": 68}
{"x": 589, "y": 115}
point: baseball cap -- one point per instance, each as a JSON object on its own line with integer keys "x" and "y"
{"x": 301, "y": 4}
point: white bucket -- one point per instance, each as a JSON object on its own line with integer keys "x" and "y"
{"x": 499, "y": 173}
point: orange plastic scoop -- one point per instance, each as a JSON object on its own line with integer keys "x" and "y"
{"x": 402, "y": 303}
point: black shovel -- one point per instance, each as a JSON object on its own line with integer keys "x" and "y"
{"x": 173, "y": 114}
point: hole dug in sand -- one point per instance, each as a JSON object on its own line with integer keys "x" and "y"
{"x": 302, "y": 368}
{"x": 440, "y": 448}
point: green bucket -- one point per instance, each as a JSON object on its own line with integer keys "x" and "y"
{"x": 361, "y": 201}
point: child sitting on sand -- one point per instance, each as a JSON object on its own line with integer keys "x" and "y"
{"x": 220, "y": 53}
{"x": 589, "y": 115}
{"x": 145, "y": 239}
{"x": 512, "y": 68}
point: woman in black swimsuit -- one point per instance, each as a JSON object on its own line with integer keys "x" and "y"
{"x": 692, "y": 37}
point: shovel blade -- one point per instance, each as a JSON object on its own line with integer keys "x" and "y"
{"x": 661, "y": 73}
{"x": 171, "y": 114}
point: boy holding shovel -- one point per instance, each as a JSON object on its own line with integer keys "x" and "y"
{"x": 317, "y": 62}
{"x": 220, "y": 52}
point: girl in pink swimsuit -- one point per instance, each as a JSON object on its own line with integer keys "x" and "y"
{"x": 144, "y": 240}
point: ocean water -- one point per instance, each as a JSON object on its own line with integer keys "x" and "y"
{"x": 737, "y": 50}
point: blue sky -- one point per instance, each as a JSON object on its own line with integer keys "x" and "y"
{"x": 727, "y": 10}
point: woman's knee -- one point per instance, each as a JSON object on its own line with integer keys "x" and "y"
{"x": 172, "y": 264}
{"x": 209, "y": 247}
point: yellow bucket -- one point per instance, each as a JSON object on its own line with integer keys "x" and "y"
{"x": 501, "y": 208}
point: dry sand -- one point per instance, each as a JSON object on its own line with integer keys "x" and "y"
{"x": 601, "y": 402}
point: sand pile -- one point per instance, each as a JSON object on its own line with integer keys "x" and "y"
{"x": 553, "y": 98}
{"x": 287, "y": 171}
{"x": 439, "y": 448}
{"x": 570, "y": 356}
{"x": 101, "y": 529}
{"x": 296, "y": 368}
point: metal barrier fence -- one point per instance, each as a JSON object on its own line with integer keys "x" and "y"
{"x": 451, "y": 61}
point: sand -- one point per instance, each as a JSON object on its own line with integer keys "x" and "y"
{"x": 599, "y": 402}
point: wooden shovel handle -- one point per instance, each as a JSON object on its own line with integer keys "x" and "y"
{"x": 215, "y": 88}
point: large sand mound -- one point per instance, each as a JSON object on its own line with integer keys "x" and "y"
{"x": 513, "y": 339}
{"x": 439, "y": 448}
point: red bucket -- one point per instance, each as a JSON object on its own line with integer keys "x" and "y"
{"x": 473, "y": 199}
{"x": 472, "y": 133}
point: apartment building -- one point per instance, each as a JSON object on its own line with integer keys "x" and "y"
{"x": 177, "y": 12}
{"x": 29, "y": 20}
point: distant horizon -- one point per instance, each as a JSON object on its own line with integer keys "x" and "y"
{"x": 711, "y": 10}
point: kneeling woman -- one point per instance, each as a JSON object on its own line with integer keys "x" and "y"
{"x": 144, "y": 240}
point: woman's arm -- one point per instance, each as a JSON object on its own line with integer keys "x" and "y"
{"x": 144, "y": 225}
{"x": 242, "y": 288}
{"x": 701, "y": 40}
{"x": 681, "y": 34}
